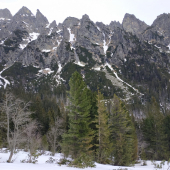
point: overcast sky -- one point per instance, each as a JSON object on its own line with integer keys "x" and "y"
{"x": 98, "y": 10}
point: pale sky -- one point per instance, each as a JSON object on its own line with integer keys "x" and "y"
{"x": 98, "y": 10}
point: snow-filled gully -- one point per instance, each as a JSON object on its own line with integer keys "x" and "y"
{"x": 5, "y": 80}
{"x": 107, "y": 64}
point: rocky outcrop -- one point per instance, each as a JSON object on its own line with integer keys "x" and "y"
{"x": 113, "y": 25}
{"x": 41, "y": 22}
{"x": 5, "y": 13}
{"x": 70, "y": 22}
{"x": 132, "y": 24}
{"x": 159, "y": 32}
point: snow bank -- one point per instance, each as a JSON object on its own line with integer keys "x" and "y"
{"x": 47, "y": 25}
{"x": 98, "y": 28}
{"x": 59, "y": 67}
{"x": 157, "y": 46}
{"x": 22, "y": 46}
{"x": 32, "y": 36}
{"x": 79, "y": 63}
{"x": 2, "y": 42}
{"x": 51, "y": 29}
{"x": 44, "y": 50}
{"x": 97, "y": 68}
{"x": 105, "y": 46}
{"x": 46, "y": 71}
{"x": 54, "y": 48}
{"x": 72, "y": 38}
{"x": 42, "y": 165}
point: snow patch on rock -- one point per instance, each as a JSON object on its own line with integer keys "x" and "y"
{"x": 80, "y": 63}
{"x": 44, "y": 50}
{"x": 46, "y": 71}
{"x": 5, "y": 80}
{"x": 32, "y": 36}
{"x": 107, "y": 64}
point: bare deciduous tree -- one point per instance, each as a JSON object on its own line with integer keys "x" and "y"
{"x": 55, "y": 131}
{"x": 16, "y": 114}
{"x": 33, "y": 139}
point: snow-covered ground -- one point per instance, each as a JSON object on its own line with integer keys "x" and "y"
{"x": 42, "y": 165}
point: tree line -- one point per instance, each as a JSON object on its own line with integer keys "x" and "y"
{"x": 83, "y": 126}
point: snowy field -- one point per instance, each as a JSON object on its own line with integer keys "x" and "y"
{"x": 42, "y": 165}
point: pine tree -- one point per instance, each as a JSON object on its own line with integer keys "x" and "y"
{"x": 122, "y": 134}
{"x": 77, "y": 142}
{"x": 103, "y": 133}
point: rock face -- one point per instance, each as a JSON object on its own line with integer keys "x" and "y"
{"x": 32, "y": 40}
{"x": 133, "y": 25}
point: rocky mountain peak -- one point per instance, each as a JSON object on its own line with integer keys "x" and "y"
{"x": 5, "y": 13}
{"x": 71, "y": 21}
{"x": 100, "y": 25}
{"x": 41, "y": 18}
{"x": 24, "y": 12}
{"x": 132, "y": 24}
{"x": 114, "y": 24}
{"x": 161, "y": 26}
{"x": 23, "y": 19}
{"x": 85, "y": 17}
{"x": 41, "y": 21}
{"x": 163, "y": 16}
{"x": 162, "y": 20}
{"x": 53, "y": 24}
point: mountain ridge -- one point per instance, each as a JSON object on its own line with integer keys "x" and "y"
{"x": 81, "y": 44}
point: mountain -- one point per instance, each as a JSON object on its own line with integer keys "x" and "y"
{"x": 130, "y": 59}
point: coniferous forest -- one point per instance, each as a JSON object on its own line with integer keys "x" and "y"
{"x": 82, "y": 125}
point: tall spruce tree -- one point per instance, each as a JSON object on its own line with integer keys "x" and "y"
{"x": 77, "y": 142}
{"x": 93, "y": 122}
{"x": 103, "y": 132}
{"x": 122, "y": 134}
